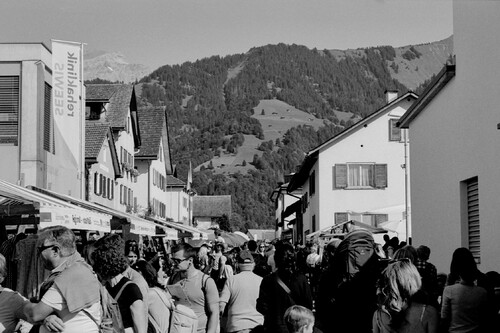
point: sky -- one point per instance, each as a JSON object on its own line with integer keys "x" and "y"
{"x": 168, "y": 32}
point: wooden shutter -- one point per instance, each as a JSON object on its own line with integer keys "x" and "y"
{"x": 473, "y": 218}
{"x": 47, "y": 119}
{"x": 111, "y": 193}
{"x": 380, "y": 174}
{"x": 9, "y": 109}
{"x": 340, "y": 176}
{"x": 97, "y": 184}
{"x": 341, "y": 218}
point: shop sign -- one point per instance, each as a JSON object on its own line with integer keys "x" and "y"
{"x": 74, "y": 219}
{"x": 170, "y": 234}
{"x": 142, "y": 227}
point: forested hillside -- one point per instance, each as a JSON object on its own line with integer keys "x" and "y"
{"x": 209, "y": 105}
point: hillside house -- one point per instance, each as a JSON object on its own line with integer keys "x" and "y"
{"x": 455, "y": 140}
{"x": 115, "y": 105}
{"x": 357, "y": 174}
{"x": 208, "y": 208}
{"x": 153, "y": 164}
{"x": 288, "y": 211}
{"x": 179, "y": 200}
{"x": 102, "y": 164}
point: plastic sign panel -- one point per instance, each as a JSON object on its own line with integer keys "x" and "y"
{"x": 142, "y": 227}
{"x": 74, "y": 218}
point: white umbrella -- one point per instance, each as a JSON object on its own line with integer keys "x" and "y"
{"x": 239, "y": 233}
{"x": 395, "y": 226}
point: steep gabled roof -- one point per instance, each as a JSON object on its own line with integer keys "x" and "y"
{"x": 152, "y": 125}
{"x": 212, "y": 205}
{"x": 439, "y": 82}
{"x": 174, "y": 182}
{"x": 95, "y": 134}
{"x": 312, "y": 156}
{"x": 121, "y": 98}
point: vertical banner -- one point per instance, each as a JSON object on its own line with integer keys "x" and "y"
{"x": 68, "y": 99}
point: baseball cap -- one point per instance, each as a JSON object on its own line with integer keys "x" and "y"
{"x": 245, "y": 257}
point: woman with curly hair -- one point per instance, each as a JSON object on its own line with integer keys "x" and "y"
{"x": 398, "y": 312}
{"x": 109, "y": 263}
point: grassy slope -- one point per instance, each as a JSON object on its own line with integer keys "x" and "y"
{"x": 278, "y": 118}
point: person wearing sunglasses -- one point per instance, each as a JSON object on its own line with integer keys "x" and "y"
{"x": 71, "y": 292}
{"x": 199, "y": 291}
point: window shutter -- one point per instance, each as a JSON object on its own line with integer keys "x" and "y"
{"x": 380, "y": 218}
{"x": 305, "y": 202}
{"x": 380, "y": 175}
{"x": 340, "y": 175}
{"x": 9, "y": 109}
{"x": 97, "y": 184}
{"x": 111, "y": 191}
{"x": 473, "y": 218}
{"x": 341, "y": 218}
{"x": 47, "y": 119}
{"x": 121, "y": 194}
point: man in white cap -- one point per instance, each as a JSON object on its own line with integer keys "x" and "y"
{"x": 240, "y": 295}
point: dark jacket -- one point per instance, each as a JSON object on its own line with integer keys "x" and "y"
{"x": 274, "y": 300}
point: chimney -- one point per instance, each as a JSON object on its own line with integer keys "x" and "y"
{"x": 390, "y": 95}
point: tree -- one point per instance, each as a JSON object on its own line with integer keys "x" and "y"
{"x": 244, "y": 163}
{"x": 263, "y": 112}
{"x": 223, "y": 223}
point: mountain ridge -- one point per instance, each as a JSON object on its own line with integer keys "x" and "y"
{"x": 275, "y": 102}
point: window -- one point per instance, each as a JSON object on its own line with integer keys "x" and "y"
{"x": 184, "y": 202}
{"x": 313, "y": 223}
{"x": 394, "y": 131}
{"x": 93, "y": 110}
{"x": 360, "y": 176}
{"x": 472, "y": 213}
{"x": 9, "y": 109}
{"x": 48, "y": 133}
{"x": 312, "y": 183}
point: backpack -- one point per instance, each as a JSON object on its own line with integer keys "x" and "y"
{"x": 183, "y": 320}
{"x": 111, "y": 318}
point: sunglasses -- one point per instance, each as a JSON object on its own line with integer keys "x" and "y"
{"x": 178, "y": 261}
{"x": 44, "y": 247}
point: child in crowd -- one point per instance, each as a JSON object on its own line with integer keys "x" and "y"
{"x": 299, "y": 319}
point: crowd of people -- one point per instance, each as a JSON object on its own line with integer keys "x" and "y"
{"x": 348, "y": 285}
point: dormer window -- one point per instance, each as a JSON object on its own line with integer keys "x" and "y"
{"x": 93, "y": 110}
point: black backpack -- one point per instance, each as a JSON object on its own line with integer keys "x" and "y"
{"x": 111, "y": 318}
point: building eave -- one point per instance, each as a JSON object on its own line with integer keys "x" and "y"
{"x": 441, "y": 80}
{"x": 348, "y": 131}
{"x": 300, "y": 177}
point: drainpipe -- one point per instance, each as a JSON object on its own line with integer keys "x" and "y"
{"x": 407, "y": 217}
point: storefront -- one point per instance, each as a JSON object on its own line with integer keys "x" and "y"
{"x": 22, "y": 213}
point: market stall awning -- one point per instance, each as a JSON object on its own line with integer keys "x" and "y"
{"x": 138, "y": 225}
{"x": 16, "y": 200}
{"x": 195, "y": 233}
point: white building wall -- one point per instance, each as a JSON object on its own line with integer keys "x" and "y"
{"x": 367, "y": 144}
{"x": 125, "y": 140}
{"x": 456, "y": 138}
{"x": 104, "y": 166}
{"x": 178, "y": 204}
